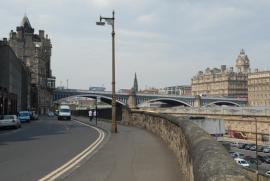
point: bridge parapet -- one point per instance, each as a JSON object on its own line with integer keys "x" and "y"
{"x": 200, "y": 157}
{"x": 226, "y": 111}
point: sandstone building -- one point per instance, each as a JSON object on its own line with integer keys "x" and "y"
{"x": 181, "y": 90}
{"x": 35, "y": 52}
{"x": 259, "y": 88}
{"x": 14, "y": 81}
{"x": 223, "y": 82}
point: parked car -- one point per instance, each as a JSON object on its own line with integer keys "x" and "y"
{"x": 10, "y": 121}
{"x": 24, "y": 116}
{"x": 252, "y": 148}
{"x": 241, "y": 145}
{"x": 262, "y": 158}
{"x": 260, "y": 148}
{"x": 248, "y": 146}
{"x": 236, "y": 154}
{"x": 253, "y": 160}
{"x": 33, "y": 115}
{"x": 266, "y": 150}
{"x": 234, "y": 144}
{"x": 267, "y": 173}
{"x": 241, "y": 161}
{"x": 267, "y": 159}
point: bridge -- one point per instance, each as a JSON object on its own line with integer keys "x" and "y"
{"x": 140, "y": 99}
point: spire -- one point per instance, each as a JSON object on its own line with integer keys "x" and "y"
{"x": 242, "y": 52}
{"x": 25, "y": 21}
{"x": 135, "y": 84}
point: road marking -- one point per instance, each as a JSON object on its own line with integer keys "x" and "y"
{"x": 74, "y": 161}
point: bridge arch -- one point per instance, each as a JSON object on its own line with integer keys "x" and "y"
{"x": 169, "y": 101}
{"x": 105, "y": 99}
{"x": 221, "y": 103}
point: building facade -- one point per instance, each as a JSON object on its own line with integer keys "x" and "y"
{"x": 35, "y": 52}
{"x": 14, "y": 81}
{"x": 223, "y": 82}
{"x": 259, "y": 88}
{"x": 181, "y": 90}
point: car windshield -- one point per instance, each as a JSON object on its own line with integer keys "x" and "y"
{"x": 8, "y": 117}
{"x": 64, "y": 110}
{"x": 243, "y": 162}
{"x": 24, "y": 114}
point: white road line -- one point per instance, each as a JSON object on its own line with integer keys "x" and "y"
{"x": 74, "y": 161}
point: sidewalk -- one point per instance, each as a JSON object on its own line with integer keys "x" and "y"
{"x": 133, "y": 154}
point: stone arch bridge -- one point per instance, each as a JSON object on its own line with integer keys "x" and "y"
{"x": 139, "y": 99}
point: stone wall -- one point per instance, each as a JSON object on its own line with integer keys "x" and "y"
{"x": 200, "y": 157}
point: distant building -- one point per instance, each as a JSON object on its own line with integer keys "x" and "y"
{"x": 259, "y": 88}
{"x": 124, "y": 91}
{"x": 14, "y": 81}
{"x": 35, "y": 52}
{"x": 101, "y": 89}
{"x": 223, "y": 82}
{"x": 181, "y": 90}
{"x": 150, "y": 90}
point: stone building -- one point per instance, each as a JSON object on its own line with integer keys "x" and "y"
{"x": 223, "y": 82}
{"x": 14, "y": 81}
{"x": 259, "y": 88}
{"x": 181, "y": 90}
{"x": 35, "y": 52}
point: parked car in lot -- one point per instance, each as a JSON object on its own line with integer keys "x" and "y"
{"x": 242, "y": 162}
{"x": 248, "y": 146}
{"x": 265, "y": 159}
{"x": 267, "y": 173}
{"x": 236, "y": 154}
{"x": 234, "y": 144}
{"x": 260, "y": 148}
{"x": 24, "y": 116}
{"x": 253, "y": 160}
{"x": 266, "y": 150}
{"x": 241, "y": 145}
{"x": 252, "y": 148}
{"x": 10, "y": 121}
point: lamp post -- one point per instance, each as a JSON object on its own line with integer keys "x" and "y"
{"x": 110, "y": 21}
{"x": 256, "y": 137}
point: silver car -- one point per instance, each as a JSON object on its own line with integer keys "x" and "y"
{"x": 10, "y": 121}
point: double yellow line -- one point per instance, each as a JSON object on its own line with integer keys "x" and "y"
{"x": 74, "y": 161}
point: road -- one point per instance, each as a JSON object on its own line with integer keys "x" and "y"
{"x": 40, "y": 147}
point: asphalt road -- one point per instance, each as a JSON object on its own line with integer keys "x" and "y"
{"x": 40, "y": 147}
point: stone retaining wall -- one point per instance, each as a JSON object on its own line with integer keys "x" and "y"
{"x": 200, "y": 157}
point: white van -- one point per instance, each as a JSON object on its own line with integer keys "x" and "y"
{"x": 64, "y": 112}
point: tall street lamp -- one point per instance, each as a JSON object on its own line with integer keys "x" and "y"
{"x": 256, "y": 137}
{"x": 110, "y": 21}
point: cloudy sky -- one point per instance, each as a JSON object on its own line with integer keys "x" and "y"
{"x": 165, "y": 41}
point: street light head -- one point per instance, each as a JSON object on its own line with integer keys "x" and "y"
{"x": 100, "y": 23}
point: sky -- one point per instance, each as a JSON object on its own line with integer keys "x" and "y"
{"x": 165, "y": 42}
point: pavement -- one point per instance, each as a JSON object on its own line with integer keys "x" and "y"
{"x": 133, "y": 154}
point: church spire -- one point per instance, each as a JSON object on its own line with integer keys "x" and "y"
{"x": 135, "y": 84}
